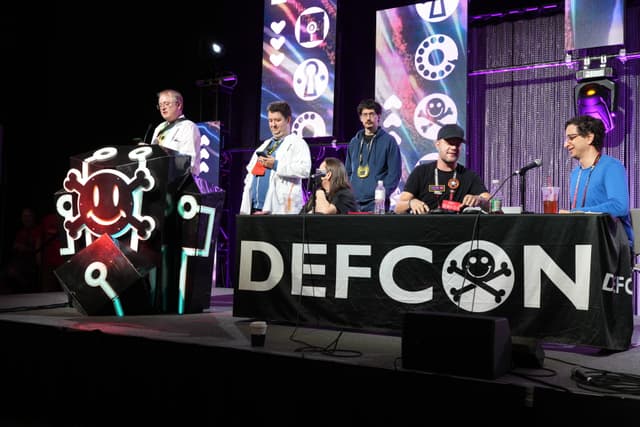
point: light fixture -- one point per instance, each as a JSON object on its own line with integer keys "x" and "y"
{"x": 217, "y": 49}
{"x": 595, "y": 93}
{"x": 226, "y": 79}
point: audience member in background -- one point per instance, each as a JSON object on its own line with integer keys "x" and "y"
{"x": 177, "y": 132}
{"x": 273, "y": 183}
{"x": 50, "y": 251}
{"x": 333, "y": 195}
{"x": 431, "y": 183}
{"x": 599, "y": 182}
{"x": 372, "y": 155}
{"x": 23, "y": 270}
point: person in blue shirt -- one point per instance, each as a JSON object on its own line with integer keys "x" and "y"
{"x": 599, "y": 182}
{"x": 372, "y": 155}
{"x": 273, "y": 183}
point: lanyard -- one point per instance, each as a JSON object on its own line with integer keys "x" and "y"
{"x": 586, "y": 185}
{"x": 370, "y": 144}
{"x": 160, "y": 136}
{"x": 453, "y": 183}
{"x": 273, "y": 145}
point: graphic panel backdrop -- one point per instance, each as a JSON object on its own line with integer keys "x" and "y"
{"x": 421, "y": 75}
{"x": 298, "y": 63}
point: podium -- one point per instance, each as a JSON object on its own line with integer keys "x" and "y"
{"x": 139, "y": 207}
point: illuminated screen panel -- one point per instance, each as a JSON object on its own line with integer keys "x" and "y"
{"x": 209, "y": 151}
{"x": 593, "y": 23}
{"x": 421, "y": 75}
{"x": 298, "y": 63}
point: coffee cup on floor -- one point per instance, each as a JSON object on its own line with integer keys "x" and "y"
{"x": 258, "y": 330}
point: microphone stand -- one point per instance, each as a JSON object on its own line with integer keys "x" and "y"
{"x": 311, "y": 191}
{"x": 523, "y": 192}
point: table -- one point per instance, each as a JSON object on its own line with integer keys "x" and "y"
{"x": 559, "y": 278}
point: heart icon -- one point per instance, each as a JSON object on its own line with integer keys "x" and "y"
{"x": 277, "y": 42}
{"x": 204, "y": 168}
{"x": 422, "y": 9}
{"x": 277, "y": 27}
{"x": 276, "y": 59}
{"x": 392, "y": 120}
{"x": 393, "y": 102}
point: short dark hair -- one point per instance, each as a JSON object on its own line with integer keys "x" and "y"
{"x": 280, "y": 107}
{"x": 587, "y": 125}
{"x": 370, "y": 104}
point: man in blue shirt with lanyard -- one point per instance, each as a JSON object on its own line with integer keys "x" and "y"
{"x": 443, "y": 184}
{"x": 599, "y": 182}
{"x": 372, "y": 155}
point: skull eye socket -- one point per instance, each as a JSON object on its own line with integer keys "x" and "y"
{"x": 116, "y": 195}
{"x": 96, "y": 196}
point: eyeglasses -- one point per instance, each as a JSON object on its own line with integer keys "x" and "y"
{"x": 571, "y": 136}
{"x": 368, "y": 114}
{"x": 164, "y": 104}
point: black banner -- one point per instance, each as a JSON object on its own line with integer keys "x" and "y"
{"x": 560, "y": 278}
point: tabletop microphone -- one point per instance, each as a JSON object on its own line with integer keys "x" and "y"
{"x": 534, "y": 164}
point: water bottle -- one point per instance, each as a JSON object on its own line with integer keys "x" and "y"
{"x": 495, "y": 205}
{"x": 380, "y": 195}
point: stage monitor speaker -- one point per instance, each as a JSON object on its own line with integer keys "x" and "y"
{"x": 457, "y": 344}
{"x": 527, "y": 352}
{"x": 104, "y": 279}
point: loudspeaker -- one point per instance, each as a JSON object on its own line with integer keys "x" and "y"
{"x": 456, "y": 344}
{"x": 527, "y": 352}
{"x": 102, "y": 279}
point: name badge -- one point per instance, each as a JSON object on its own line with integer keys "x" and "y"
{"x": 437, "y": 189}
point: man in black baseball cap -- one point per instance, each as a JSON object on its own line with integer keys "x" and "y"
{"x": 443, "y": 184}
{"x": 451, "y": 132}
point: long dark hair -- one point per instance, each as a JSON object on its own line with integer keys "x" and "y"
{"x": 339, "y": 179}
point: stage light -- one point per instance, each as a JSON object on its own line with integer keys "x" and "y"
{"x": 210, "y": 50}
{"x": 596, "y": 98}
{"x": 595, "y": 94}
{"x": 217, "y": 49}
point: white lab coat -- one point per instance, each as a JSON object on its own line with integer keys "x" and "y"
{"x": 285, "y": 194}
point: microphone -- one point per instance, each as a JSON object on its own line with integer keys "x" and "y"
{"x": 144, "y": 140}
{"x": 534, "y": 164}
{"x": 319, "y": 174}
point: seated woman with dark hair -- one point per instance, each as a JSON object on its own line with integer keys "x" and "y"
{"x": 333, "y": 195}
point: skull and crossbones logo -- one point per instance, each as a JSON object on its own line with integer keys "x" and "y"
{"x": 109, "y": 201}
{"x": 482, "y": 280}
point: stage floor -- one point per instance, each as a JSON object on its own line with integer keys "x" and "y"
{"x": 218, "y": 328}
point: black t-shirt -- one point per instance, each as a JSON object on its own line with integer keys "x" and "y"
{"x": 422, "y": 184}
{"x": 344, "y": 201}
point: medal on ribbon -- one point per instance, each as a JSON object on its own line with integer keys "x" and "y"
{"x": 453, "y": 184}
{"x": 363, "y": 171}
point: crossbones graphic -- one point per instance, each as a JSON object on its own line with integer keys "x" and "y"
{"x": 479, "y": 269}
{"x": 434, "y": 114}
